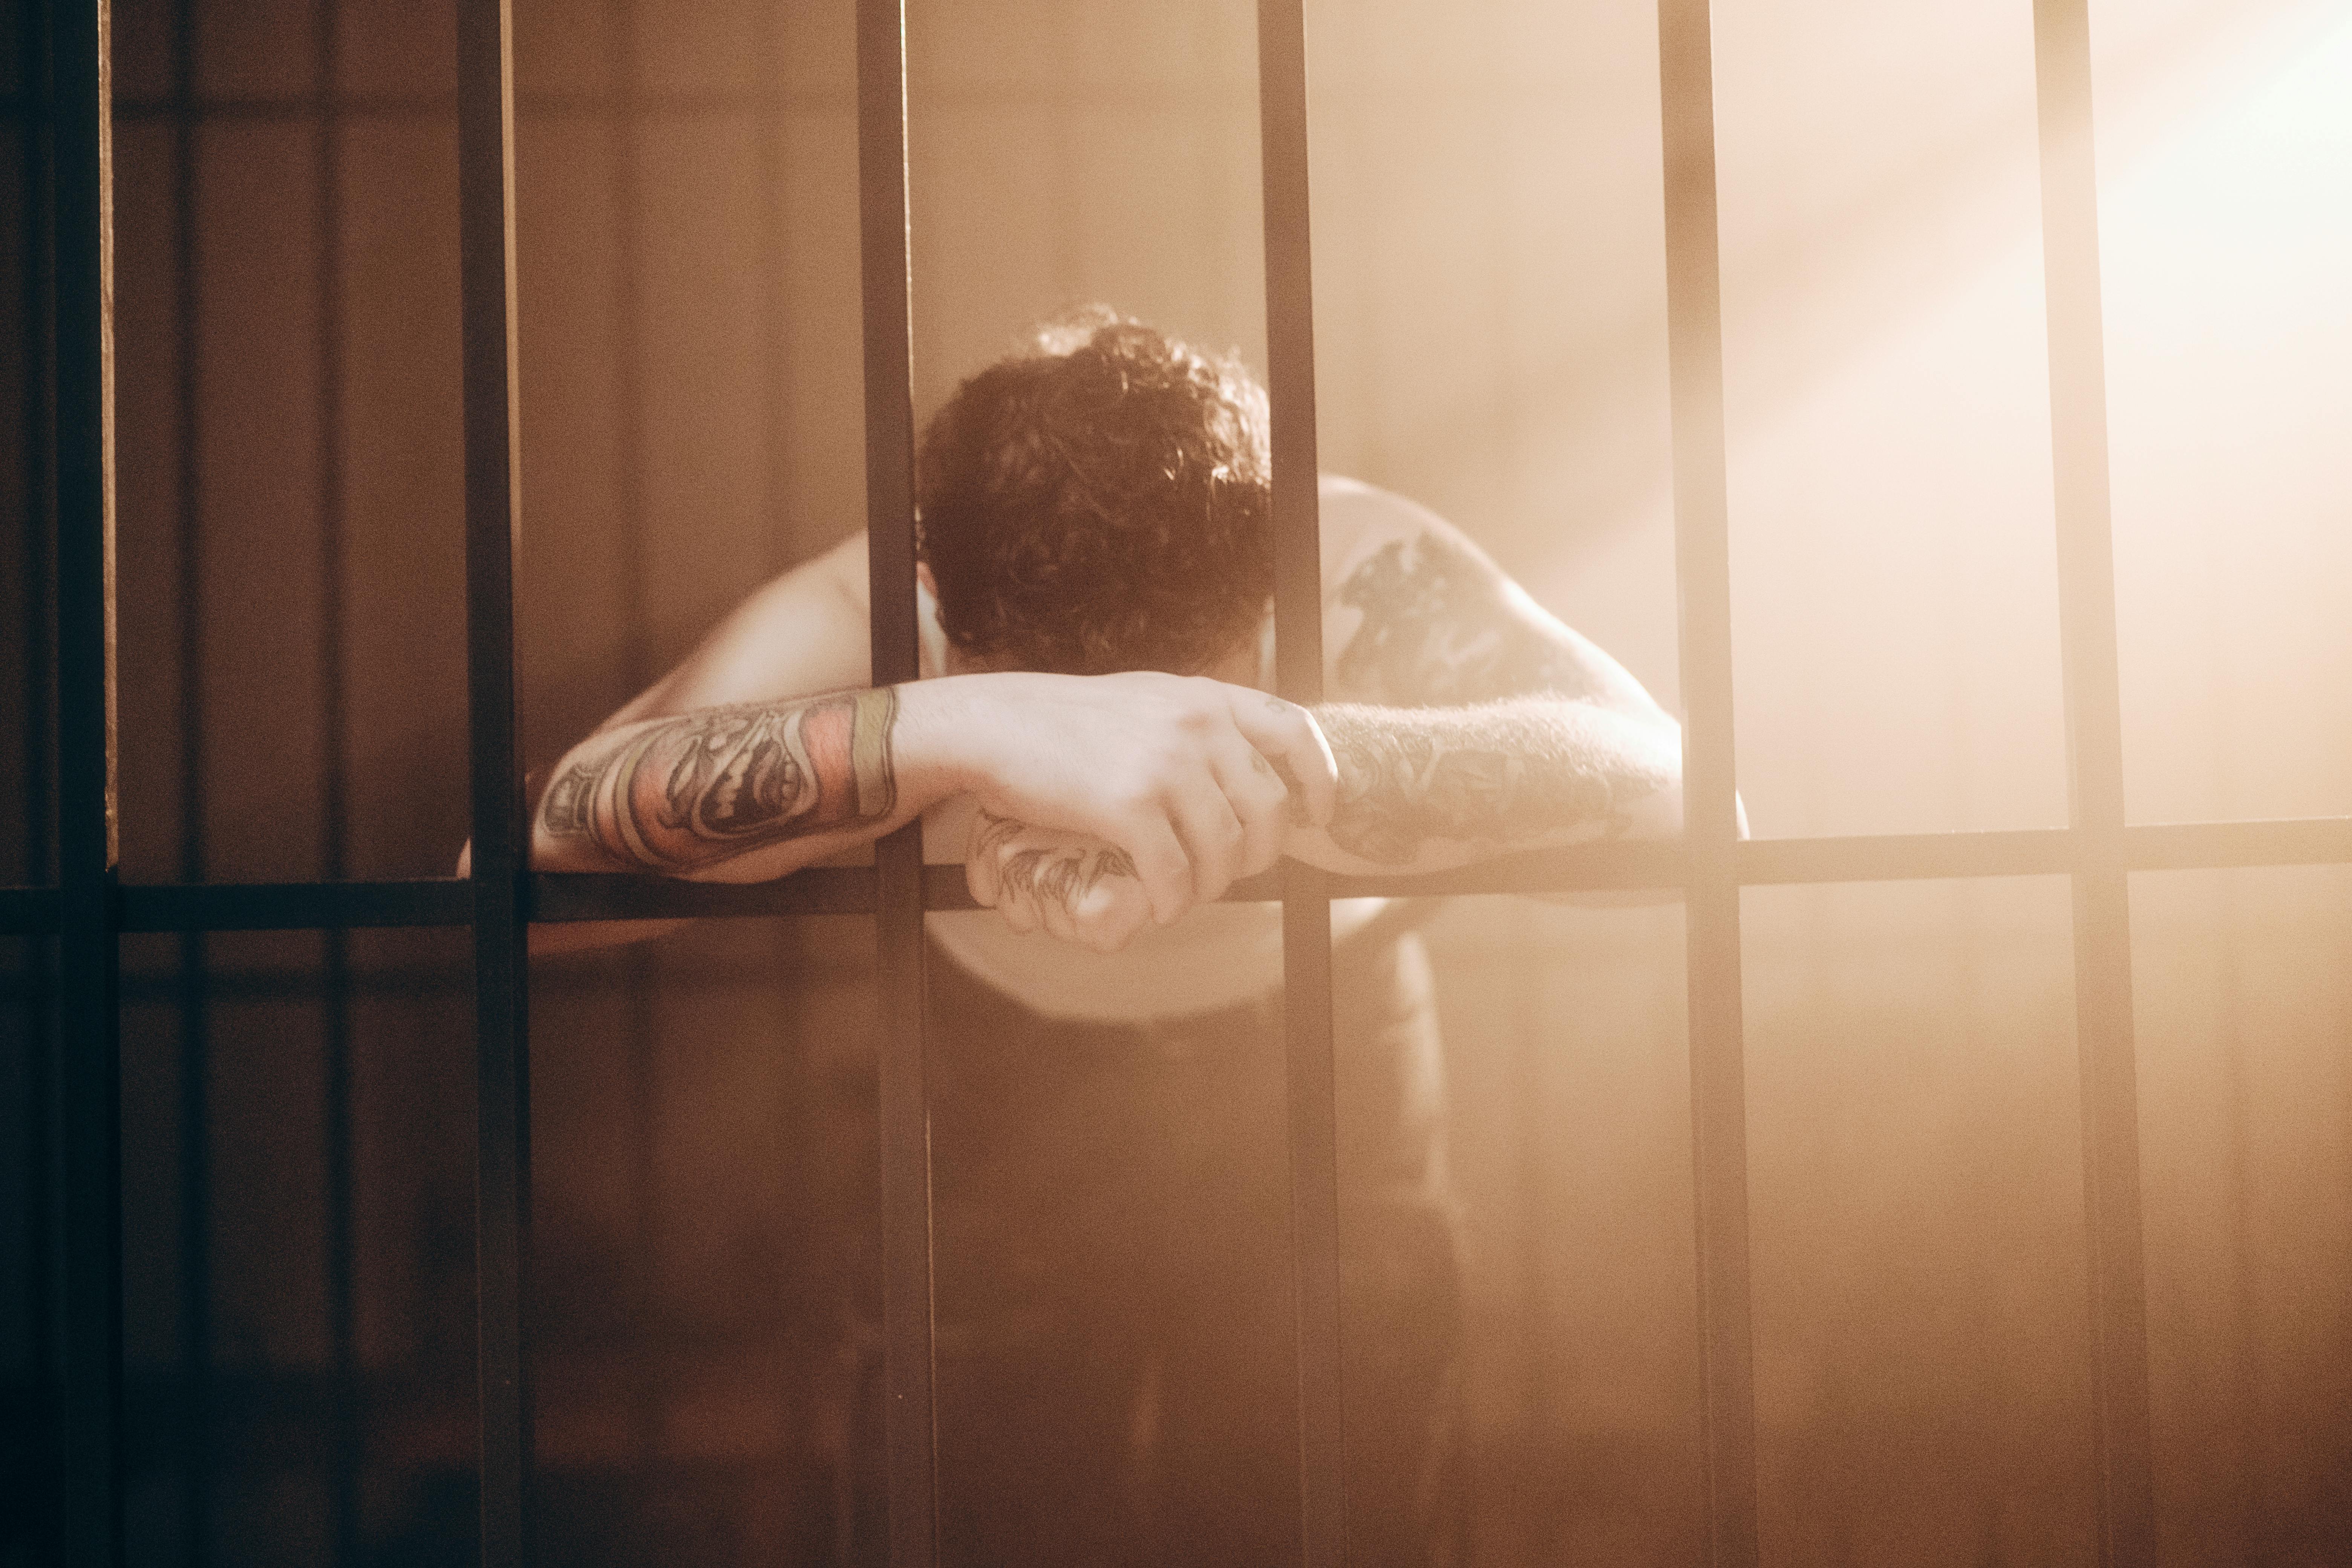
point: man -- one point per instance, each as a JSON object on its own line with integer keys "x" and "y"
{"x": 1093, "y": 730}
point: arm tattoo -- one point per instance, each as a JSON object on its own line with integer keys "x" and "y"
{"x": 1506, "y": 773}
{"x": 709, "y": 785}
{"x": 1439, "y": 629}
{"x": 1062, "y": 872}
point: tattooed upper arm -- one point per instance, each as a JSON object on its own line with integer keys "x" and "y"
{"x": 1464, "y": 715}
{"x": 1442, "y": 625}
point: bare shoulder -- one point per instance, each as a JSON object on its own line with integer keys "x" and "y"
{"x": 801, "y": 632}
{"x": 1416, "y": 615}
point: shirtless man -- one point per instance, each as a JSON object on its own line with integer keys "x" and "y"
{"x": 1093, "y": 730}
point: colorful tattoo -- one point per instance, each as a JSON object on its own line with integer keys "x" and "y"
{"x": 710, "y": 786}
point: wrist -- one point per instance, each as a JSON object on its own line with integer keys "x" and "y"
{"x": 931, "y": 741}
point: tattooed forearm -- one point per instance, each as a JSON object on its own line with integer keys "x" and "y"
{"x": 1507, "y": 773}
{"x": 710, "y": 786}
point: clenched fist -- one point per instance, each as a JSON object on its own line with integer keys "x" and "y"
{"x": 1069, "y": 886}
{"x": 1193, "y": 782}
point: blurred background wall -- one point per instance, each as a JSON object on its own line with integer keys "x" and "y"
{"x": 1490, "y": 340}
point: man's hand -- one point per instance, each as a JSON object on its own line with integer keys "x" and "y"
{"x": 1077, "y": 888}
{"x": 1184, "y": 775}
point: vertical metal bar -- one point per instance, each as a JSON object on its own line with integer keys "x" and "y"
{"x": 195, "y": 1110}
{"x": 501, "y": 843}
{"x": 639, "y": 966}
{"x": 90, "y": 1100}
{"x": 39, "y": 584}
{"x": 2086, "y": 617}
{"x": 1310, "y": 1085}
{"x": 1710, "y": 821}
{"x": 42, "y": 1284}
{"x": 335, "y": 797}
{"x": 909, "y": 1428}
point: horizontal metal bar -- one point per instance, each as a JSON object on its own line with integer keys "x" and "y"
{"x": 819, "y": 890}
{"x": 1899, "y": 857}
{"x": 653, "y": 105}
{"x": 2211, "y": 845}
{"x": 295, "y": 906}
{"x": 1616, "y": 866}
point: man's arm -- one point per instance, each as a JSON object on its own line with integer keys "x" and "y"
{"x": 1422, "y": 789}
{"x": 1170, "y": 771}
{"x": 703, "y": 791}
{"x": 1466, "y": 722}
{"x": 764, "y": 753}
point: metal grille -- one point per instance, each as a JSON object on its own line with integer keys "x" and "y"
{"x": 86, "y": 912}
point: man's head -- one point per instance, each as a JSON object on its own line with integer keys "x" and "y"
{"x": 1100, "y": 504}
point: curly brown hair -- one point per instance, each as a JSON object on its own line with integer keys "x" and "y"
{"x": 1100, "y": 504}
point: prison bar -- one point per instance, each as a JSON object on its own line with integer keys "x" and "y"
{"x": 1308, "y": 1082}
{"x": 1710, "y": 804}
{"x": 334, "y": 789}
{"x": 620, "y": 106}
{"x": 886, "y": 284}
{"x": 2095, "y": 768}
{"x": 189, "y": 981}
{"x": 90, "y": 1252}
{"x": 558, "y": 898}
{"x": 39, "y": 1293}
{"x": 87, "y": 909}
{"x": 486, "y": 217}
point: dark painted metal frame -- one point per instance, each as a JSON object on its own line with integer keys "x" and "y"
{"x": 87, "y": 910}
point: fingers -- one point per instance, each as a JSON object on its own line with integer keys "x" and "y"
{"x": 1074, "y": 888}
{"x": 982, "y": 871}
{"x": 1212, "y": 837}
{"x": 979, "y": 877}
{"x": 1259, "y": 800}
{"x": 1288, "y": 737}
{"x": 1162, "y": 862}
{"x": 1020, "y": 912}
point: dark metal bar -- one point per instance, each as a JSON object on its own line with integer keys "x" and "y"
{"x": 1309, "y": 1084}
{"x": 334, "y": 788}
{"x": 639, "y": 973}
{"x": 37, "y": 628}
{"x": 910, "y": 1433}
{"x": 41, "y": 1291}
{"x": 664, "y": 103}
{"x": 1711, "y": 826}
{"x": 297, "y": 906}
{"x": 29, "y": 911}
{"x": 842, "y": 890}
{"x": 91, "y": 1251}
{"x": 2086, "y": 618}
{"x": 194, "y": 1283}
{"x": 501, "y": 841}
